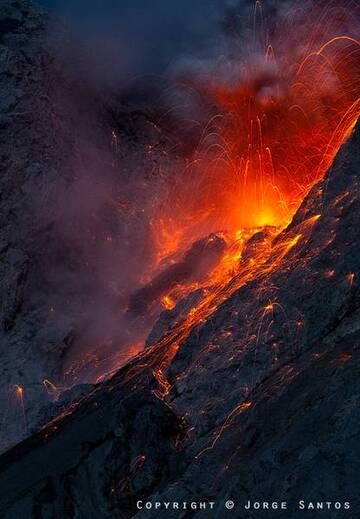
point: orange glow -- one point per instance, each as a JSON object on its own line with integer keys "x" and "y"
{"x": 273, "y": 133}
{"x": 19, "y": 390}
{"x": 350, "y": 277}
{"x": 313, "y": 219}
{"x": 245, "y": 406}
{"x": 289, "y": 244}
{"x": 168, "y": 303}
{"x": 274, "y": 128}
{"x": 269, "y": 307}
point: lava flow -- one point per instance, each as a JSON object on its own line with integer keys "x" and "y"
{"x": 280, "y": 106}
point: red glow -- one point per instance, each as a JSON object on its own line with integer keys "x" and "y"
{"x": 282, "y": 105}
{"x": 278, "y": 123}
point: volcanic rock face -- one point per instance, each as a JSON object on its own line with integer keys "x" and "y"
{"x": 59, "y": 159}
{"x": 197, "y": 263}
{"x": 25, "y": 174}
{"x": 38, "y": 150}
{"x": 248, "y": 393}
{"x": 265, "y": 390}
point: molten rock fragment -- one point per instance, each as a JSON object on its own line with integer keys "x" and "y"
{"x": 259, "y": 241}
{"x": 196, "y": 264}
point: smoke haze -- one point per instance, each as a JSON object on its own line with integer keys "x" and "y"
{"x": 133, "y": 206}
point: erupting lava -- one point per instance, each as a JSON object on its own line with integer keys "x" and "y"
{"x": 281, "y": 104}
{"x": 279, "y": 107}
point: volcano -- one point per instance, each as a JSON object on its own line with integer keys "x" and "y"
{"x": 161, "y": 356}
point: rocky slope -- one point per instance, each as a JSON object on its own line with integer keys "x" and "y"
{"x": 61, "y": 196}
{"x": 27, "y": 170}
{"x": 262, "y": 401}
{"x": 252, "y": 393}
{"x": 40, "y": 154}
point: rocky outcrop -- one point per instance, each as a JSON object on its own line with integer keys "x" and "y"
{"x": 265, "y": 389}
{"x": 25, "y": 172}
{"x": 248, "y": 392}
{"x": 65, "y": 218}
{"x": 197, "y": 263}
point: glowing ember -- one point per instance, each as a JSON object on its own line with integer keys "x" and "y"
{"x": 350, "y": 277}
{"x": 168, "y": 303}
{"x": 19, "y": 391}
{"x": 269, "y": 308}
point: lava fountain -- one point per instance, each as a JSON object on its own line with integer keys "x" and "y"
{"x": 280, "y": 105}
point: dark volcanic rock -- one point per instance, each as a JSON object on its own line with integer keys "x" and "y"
{"x": 264, "y": 401}
{"x": 65, "y": 218}
{"x": 25, "y": 175}
{"x": 197, "y": 263}
{"x": 104, "y": 457}
{"x": 61, "y": 403}
{"x": 168, "y": 319}
{"x": 258, "y": 398}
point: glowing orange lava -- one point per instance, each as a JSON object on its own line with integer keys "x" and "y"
{"x": 280, "y": 106}
{"x": 282, "y": 103}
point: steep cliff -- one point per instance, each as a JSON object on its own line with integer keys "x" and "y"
{"x": 64, "y": 225}
{"x": 248, "y": 392}
{"x": 260, "y": 397}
